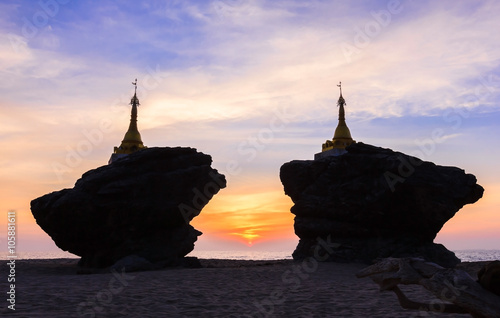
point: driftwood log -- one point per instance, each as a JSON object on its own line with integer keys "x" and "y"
{"x": 461, "y": 293}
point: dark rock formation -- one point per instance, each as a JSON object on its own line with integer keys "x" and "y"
{"x": 373, "y": 202}
{"x": 489, "y": 277}
{"x": 139, "y": 205}
{"x": 468, "y": 297}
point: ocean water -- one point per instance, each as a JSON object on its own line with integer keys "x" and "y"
{"x": 243, "y": 255}
{"x": 478, "y": 255}
{"x": 464, "y": 255}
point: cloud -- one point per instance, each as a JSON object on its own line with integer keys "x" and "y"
{"x": 256, "y": 52}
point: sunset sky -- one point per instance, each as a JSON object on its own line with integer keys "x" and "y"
{"x": 253, "y": 84}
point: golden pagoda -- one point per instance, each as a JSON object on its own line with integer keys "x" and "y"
{"x": 342, "y": 136}
{"x": 132, "y": 141}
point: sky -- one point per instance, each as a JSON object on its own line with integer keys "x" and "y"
{"x": 253, "y": 84}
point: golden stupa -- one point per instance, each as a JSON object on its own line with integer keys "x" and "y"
{"x": 342, "y": 136}
{"x": 132, "y": 141}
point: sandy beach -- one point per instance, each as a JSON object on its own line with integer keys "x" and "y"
{"x": 222, "y": 288}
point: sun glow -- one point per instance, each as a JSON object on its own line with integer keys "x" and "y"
{"x": 248, "y": 235}
{"x": 248, "y": 218}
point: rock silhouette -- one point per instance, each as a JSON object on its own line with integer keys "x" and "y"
{"x": 489, "y": 277}
{"x": 469, "y": 297}
{"x": 373, "y": 202}
{"x": 140, "y": 206}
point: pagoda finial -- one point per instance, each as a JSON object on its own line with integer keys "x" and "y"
{"x": 135, "y": 101}
{"x": 341, "y": 101}
{"x": 135, "y": 84}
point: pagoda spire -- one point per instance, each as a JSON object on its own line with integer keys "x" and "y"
{"x": 132, "y": 141}
{"x": 342, "y": 136}
{"x": 342, "y": 131}
{"x": 133, "y": 136}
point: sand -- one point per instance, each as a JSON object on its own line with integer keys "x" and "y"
{"x": 222, "y": 288}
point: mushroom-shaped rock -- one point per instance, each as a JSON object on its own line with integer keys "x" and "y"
{"x": 140, "y": 205}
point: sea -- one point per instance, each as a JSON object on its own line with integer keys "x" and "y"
{"x": 464, "y": 255}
